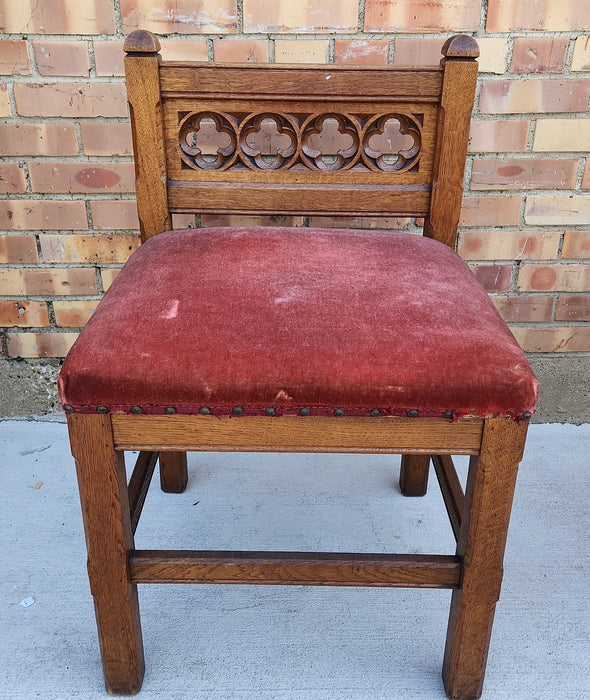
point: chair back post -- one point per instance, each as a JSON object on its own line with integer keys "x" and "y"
{"x": 145, "y": 106}
{"x": 460, "y": 77}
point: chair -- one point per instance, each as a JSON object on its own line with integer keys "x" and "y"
{"x": 297, "y": 339}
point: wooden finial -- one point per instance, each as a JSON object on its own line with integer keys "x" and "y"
{"x": 141, "y": 41}
{"x": 460, "y": 46}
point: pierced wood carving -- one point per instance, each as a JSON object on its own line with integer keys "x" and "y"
{"x": 328, "y": 142}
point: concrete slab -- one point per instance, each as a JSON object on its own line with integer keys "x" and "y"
{"x": 214, "y": 642}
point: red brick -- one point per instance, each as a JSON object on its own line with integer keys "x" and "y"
{"x": 38, "y": 214}
{"x": 25, "y": 314}
{"x": 499, "y": 135}
{"x": 108, "y": 57}
{"x": 302, "y": 51}
{"x": 562, "y": 135}
{"x": 547, "y": 15}
{"x": 57, "y": 17}
{"x": 97, "y": 248}
{"x": 581, "y": 57}
{"x": 361, "y": 52}
{"x": 62, "y": 57}
{"x": 394, "y": 223}
{"x": 539, "y": 54}
{"x": 73, "y": 314}
{"x": 572, "y": 307}
{"x": 554, "y": 339}
{"x": 84, "y": 176}
{"x": 183, "y": 221}
{"x": 38, "y": 140}
{"x": 524, "y": 174}
{"x": 576, "y": 244}
{"x": 490, "y": 211}
{"x": 534, "y": 95}
{"x": 108, "y": 276}
{"x": 427, "y": 52}
{"x": 529, "y": 309}
{"x": 557, "y": 210}
{"x": 417, "y": 52}
{"x": 211, "y": 220}
{"x": 42, "y": 282}
{"x": 240, "y": 50}
{"x": 509, "y": 245}
{"x": 71, "y": 100}
{"x": 14, "y": 58}
{"x": 114, "y": 215}
{"x": 39, "y": 344}
{"x": 493, "y": 54}
{"x": 106, "y": 138}
{"x": 12, "y": 178}
{"x": 493, "y": 278}
{"x": 421, "y": 15}
{"x": 18, "y": 249}
{"x": 184, "y": 49}
{"x": 5, "y": 109}
{"x": 180, "y": 17}
{"x": 261, "y": 16}
{"x": 586, "y": 176}
{"x": 555, "y": 278}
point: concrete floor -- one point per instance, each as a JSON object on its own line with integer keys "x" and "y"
{"x": 214, "y": 642}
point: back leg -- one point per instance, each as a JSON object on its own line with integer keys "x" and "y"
{"x": 173, "y": 472}
{"x": 413, "y": 477}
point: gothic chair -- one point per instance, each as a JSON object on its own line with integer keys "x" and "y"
{"x": 298, "y": 339}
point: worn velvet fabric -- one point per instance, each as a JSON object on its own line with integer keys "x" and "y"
{"x": 319, "y": 319}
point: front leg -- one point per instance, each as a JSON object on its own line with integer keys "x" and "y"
{"x": 481, "y": 543}
{"x": 109, "y": 539}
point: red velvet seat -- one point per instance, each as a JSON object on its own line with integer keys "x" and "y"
{"x": 250, "y": 319}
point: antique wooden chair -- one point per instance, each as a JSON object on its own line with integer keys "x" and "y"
{"x": 300, "y": 339}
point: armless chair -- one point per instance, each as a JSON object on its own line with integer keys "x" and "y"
{"x": 298, "y": 339}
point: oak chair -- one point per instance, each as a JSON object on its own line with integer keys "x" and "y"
{"x": 300, "y": 339}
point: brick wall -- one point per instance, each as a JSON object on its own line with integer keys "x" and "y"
{"x": 67, "y": 218}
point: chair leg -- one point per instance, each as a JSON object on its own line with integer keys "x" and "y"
{"x": 173, "y": 472}
{"x": 481, "y": 543}
{"x": 413, "y": 477}
{"x": 109, "y": 537}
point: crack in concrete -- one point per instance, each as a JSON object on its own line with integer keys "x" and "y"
{"x": 34, "y": 450}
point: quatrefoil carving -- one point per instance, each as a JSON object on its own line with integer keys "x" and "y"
{"x": 268, "y": 141}
{"x": 208, "y": 141}
{"x": 330, "y": 142}
{"x": 391, "y": 142}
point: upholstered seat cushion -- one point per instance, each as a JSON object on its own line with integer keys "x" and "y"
{"x": 250, "y": 319}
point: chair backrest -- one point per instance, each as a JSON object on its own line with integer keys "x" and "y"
{"x": 300, "y": 139}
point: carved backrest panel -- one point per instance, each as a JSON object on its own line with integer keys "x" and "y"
{"x": 299, "y": 139}
{"x": 272, "y": 139}
{"x": 333, "y": 159}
